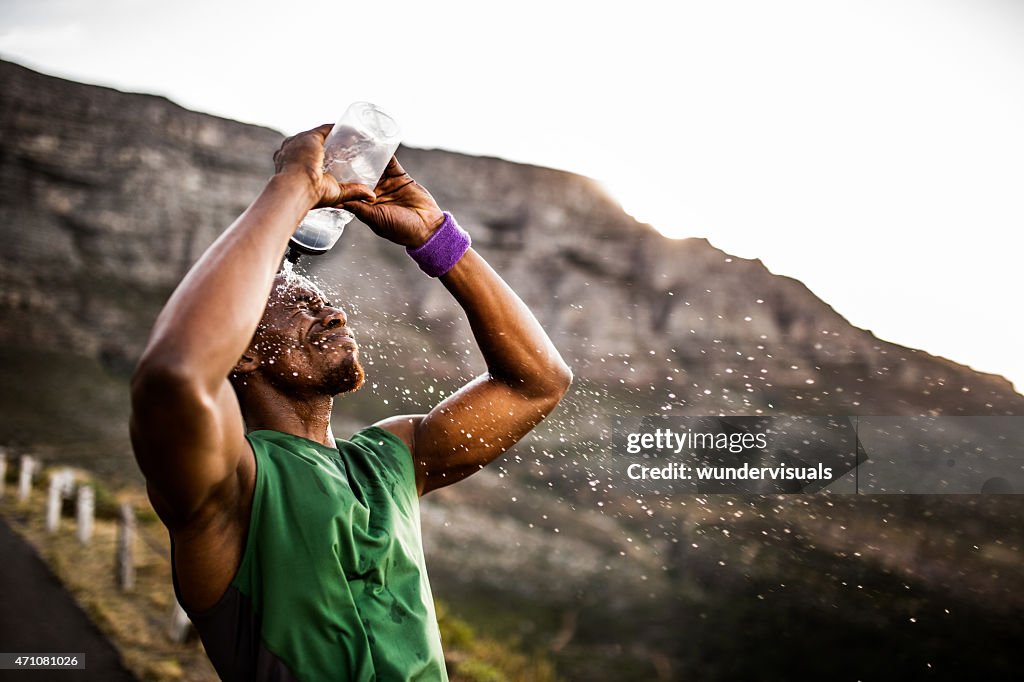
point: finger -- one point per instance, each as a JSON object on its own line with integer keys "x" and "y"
{"x": 322, "y": 131}
{"x": 359, "y": 209}
{"x": 393, "y": 173}
{"x": 355, "y": 193}
{"x": 393, "y": 169}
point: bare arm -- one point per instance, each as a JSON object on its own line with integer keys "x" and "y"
{"x": 186, "y": 424}
{"x": 525, "y": 379}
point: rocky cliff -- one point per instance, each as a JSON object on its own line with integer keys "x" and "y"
{"x": 106, "y": 199}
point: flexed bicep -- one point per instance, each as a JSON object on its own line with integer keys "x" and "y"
{"x": 471, "y": 428}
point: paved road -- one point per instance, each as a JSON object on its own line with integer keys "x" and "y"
{"x": 38, "y": 616}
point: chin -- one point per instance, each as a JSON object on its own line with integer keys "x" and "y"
{"x": 349, "y": 377}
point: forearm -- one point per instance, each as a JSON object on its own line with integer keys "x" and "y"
{"x": 515, "y": 347}
{"x": 210, "y": 318}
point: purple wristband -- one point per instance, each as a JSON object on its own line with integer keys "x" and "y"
{"x": 442, "y": 251}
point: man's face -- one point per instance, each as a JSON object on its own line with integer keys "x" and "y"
{"x": 303, "y": 344}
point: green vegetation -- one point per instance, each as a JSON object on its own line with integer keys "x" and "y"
{"x": 473, "y": 658}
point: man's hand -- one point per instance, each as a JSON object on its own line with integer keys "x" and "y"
{"x": 302, "y": 156}
{"x": 403, "y": 210}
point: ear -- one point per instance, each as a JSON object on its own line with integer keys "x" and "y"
{"x": 246, "y": 364}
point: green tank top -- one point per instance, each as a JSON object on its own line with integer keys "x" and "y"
{"x": 332, "y": 584}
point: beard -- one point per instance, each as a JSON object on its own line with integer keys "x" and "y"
{"x": 345, "y": 377}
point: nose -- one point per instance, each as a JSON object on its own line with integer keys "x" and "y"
{"x": 336, "y": 318}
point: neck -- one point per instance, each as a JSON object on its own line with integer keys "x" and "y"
{"x": 307, "y": 416}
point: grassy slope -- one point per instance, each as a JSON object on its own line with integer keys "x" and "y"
{"x": 135, "y": 621}
{"x": 67, "y": 408}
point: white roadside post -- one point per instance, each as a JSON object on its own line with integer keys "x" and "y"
{"x": 125, "y": 548}
{"x": 178, "y": 625}
{"x": 53, "y": 502}
{"x": 62, "y": 483}
{"x": 86, "y": 510}
{"x": 26, "y": 469}
{"x": 3, "y": 471}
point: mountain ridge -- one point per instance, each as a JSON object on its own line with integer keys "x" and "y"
{"x": 77, "y": 158}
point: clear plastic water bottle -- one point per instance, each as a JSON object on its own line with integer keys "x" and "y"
{"x": 356, "y": 151}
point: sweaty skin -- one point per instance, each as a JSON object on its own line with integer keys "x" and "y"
{"x": 237, "y": 345}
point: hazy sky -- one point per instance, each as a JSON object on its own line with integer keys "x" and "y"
{"x": 872, "y": 149}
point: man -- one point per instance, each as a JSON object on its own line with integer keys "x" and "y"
{"x": 297, "y": 556}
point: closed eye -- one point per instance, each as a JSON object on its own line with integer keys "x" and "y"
{"x": 310, "y": 302}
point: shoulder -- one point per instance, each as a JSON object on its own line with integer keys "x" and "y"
{"x": 385, "y": 443}
{"x": 402, "y": 427}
